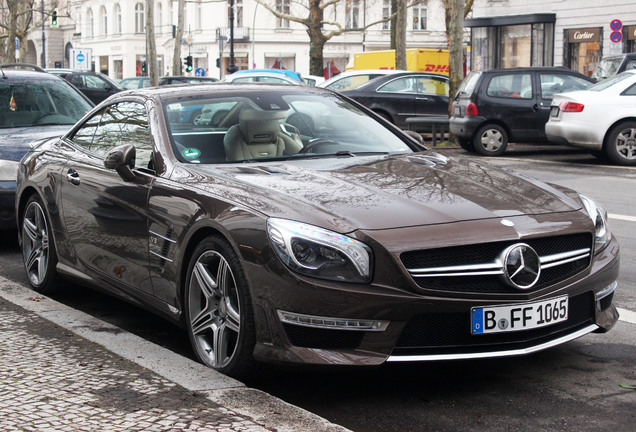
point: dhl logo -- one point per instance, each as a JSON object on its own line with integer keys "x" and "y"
{"x": 436, "y": 68}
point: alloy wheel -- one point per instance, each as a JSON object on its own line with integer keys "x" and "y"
{"x": 35, "y": 243}
{"x": 626, "y": 143}
{"x": 214, "y": 310}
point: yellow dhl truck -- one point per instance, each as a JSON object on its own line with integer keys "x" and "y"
{"x": 417, "y": 60}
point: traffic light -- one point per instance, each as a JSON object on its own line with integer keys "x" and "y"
{"x": 54, "y": 18}
{"x": 143, "y": 68}
{"x": 188, "y": 63}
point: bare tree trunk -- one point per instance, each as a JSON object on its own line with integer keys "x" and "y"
{"x": 394, "y": 7}
{"x": 150, "y": 42}
{"x": 400, "y": 35}
{"x": 176, "y": 57}
{"x": 316, "y": 38}
{"x": 456, "y": 49}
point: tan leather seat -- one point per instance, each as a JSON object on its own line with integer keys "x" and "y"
{"x": 258, "y": 134}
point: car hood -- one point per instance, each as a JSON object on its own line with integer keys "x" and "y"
{"x": 386, "y": 192}
{"x": 14, "y": 142}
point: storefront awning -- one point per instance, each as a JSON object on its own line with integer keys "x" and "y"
{"x": 510, "y": 20}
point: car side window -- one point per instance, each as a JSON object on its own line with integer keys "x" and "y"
{"x": 77, "y": 81}
{"x": 432, "y": 86}
{"x": 552, "y": 83}
{"x": 511, "y": 86}
{"x": 631, "y": 64}
{"x": 631, "y": 91}
{"x": 94, "y": 82}
{"x": 115, "y": 125}
{"x": 400, "y": 85}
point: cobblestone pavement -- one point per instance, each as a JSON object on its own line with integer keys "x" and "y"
{"x": 54, "y": 380}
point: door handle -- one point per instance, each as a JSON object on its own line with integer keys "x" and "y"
{"x": 73, "y": 177}
{"x": 421, "y": 98}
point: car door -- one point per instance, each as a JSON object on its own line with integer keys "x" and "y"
{"x": 397, "y": 97}
{"x": 510, "y": 98}
{"x": 106, "y": 216}
{"x": 550, "y": 83}
{"x": 432, "y": 96}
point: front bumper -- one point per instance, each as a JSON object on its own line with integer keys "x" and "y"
{"x": 419, "y": 327}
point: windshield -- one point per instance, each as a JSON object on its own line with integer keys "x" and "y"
{"x": 609, "y": 82}
{"x": 468, "y": 84}
{"x": 275, "y": 126}
{"x": 607, "y": 68}
{"x": 39, "y": 103}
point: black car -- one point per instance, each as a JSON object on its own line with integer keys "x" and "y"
{"x": 96, "y": 86}
{"x": 495, "y": 107}
{"x": 399, "y": 96}
{"x": 35, "y": 105}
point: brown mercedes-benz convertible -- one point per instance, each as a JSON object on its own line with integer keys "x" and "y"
{"x": 294, "y": 225}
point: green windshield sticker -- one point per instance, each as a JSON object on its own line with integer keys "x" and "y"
{"x": 191, "y": 153}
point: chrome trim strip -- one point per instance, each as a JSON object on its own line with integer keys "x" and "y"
{"x": 496, "y": 268}
{"x": 493, "y": 354}
{"x": 162, "y": 236}
{"x": 565, "y": 255}
{"x": 332, "y": 323}
{"x": 161, "y": 256}
{"x": 606, "y": 291}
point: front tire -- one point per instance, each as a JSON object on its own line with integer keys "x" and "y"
{"x": 218, "y": 309}
{"x": 38, "y": 249}
{"x": 491, "y": 140}
{"x": 621, "y": 144}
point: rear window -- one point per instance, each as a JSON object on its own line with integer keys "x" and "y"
{"x": 469, "y": 83}
{"x": 517, "y": 86}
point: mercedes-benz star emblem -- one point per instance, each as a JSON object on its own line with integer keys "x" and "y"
{"x": 521, "y": 266}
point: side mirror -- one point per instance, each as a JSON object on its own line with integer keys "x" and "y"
{"x": 122, "y": 160}
{"x": 415, "y": 136}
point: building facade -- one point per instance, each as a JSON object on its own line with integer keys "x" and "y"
{"x": 114, "y": 33}
{"x": 570, "y": 33}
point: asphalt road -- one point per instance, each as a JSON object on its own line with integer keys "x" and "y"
{"x": 576, "y": 386}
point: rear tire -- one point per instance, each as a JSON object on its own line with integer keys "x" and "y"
{"x": 218, "y": 309}
{"x": 38, "y": 248}
{"x": 491, "y": 140}
{"x": 621, "y": 144}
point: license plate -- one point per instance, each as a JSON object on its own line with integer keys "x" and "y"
{"x": 525, "y": 316}
{"x": 554, "y": 111}
{"x": 457, "y": 111}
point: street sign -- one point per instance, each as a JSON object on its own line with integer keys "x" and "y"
{"x": 616, "y": 25}
{"x": 199, "y": 72}
{"x": 616, "y": 37}
{"x": 81, "y": 58}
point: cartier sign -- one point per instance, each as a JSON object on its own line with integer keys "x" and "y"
{"x": 584, "y": 35}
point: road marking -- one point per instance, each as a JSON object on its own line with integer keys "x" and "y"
{"x": 622, "y": 217}
{"x": 627, "y": 315}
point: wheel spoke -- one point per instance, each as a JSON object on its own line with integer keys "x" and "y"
{"x": 33, "y": 260}
{"x": 223, "y": 281}
{"x": 31, "y": 230}
{"x": 203, "y": 322}
{"x": 233, "y": 318}
{"x": 221, "y": 345}
{"x": 207, "y": 284}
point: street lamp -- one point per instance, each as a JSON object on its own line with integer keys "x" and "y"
{"x": 231, "y": 67}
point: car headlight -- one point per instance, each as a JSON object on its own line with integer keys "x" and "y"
{"x": 9, "y": 170}
{"x": 598, "y": 214}
{"x": 317, "y": 252}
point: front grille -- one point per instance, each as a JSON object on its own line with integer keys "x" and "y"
{"x": 319, "y": 338}
{"x": 488, "y": 253}
{"x": 450, "y": 333}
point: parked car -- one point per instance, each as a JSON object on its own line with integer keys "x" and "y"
{"x": 35, "y": 105}
{"x": 353, "y": 78}
{"x": 313, "y": 80}
{"x": 292, "y": 74}
{"x": 610, "y": 66}
{"x": 350, "y": 246}
{"x": 495, "y": 107}
{"x": 134, "y": 83}
{"x": 399, "y": 96}
{"x": 96, "y": 86}
{"x": 182, "y": 79}
{"x": 601, "y": 118}
{"x": 251, "y": 76}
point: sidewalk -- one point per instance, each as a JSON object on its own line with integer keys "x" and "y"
{"x": 63, "y": 370}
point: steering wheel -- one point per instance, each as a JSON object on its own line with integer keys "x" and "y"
{"x": 316, "y": 143}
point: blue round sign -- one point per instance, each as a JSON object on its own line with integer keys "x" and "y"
{"x": 616, "y": 36}
{"x": 81, "y": 57}
{"x": 199, "y": 72}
